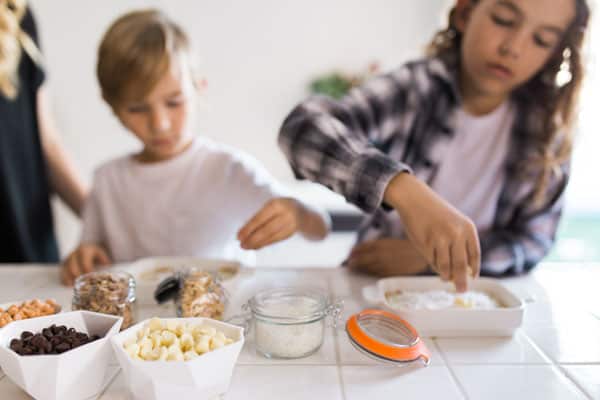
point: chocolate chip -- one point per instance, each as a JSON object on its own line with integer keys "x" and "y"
{"x": 52, "y": 340}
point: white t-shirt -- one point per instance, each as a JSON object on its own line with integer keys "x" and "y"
{"x": 191, "y": 205}
{"x": 472, "y": 170}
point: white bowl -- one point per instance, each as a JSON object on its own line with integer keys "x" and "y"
{"x": 146, "y": 280}
{"x": 452, "y": 322}
{"x": 203, "y": 377}
{"x": 74, "y": 375}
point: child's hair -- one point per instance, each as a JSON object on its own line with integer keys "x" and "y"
{"x": 12, "y": 41}
{"x": 136, "y": 52}
{"x": 555, "y": 104}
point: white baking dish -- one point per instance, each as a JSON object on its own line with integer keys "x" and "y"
{"x": 147, "y": 281}
{"x": 451, "y": 322}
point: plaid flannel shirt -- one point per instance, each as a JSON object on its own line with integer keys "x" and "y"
{"x": 356, "y": 145}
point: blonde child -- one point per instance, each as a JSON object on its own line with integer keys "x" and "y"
{"x": 179, "y": 195}
{"x": 461, "y": 159}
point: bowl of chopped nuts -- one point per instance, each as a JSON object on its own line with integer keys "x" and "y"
{"x": 63, "y": 356}
{"x": 20, "y": 310}
{"x": 183, "y": 358}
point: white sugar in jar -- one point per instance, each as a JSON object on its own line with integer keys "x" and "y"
{"x": 290, "y": 322}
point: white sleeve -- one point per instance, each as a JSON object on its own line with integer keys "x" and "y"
{"x": 254, "y": 184}
{"x": 257, "y": 186}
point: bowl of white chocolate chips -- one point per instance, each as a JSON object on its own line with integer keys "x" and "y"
{"x": 162, "y": 358}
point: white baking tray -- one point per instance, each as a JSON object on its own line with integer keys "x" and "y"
{"x": 146, "y": 282}
{"x": 453, "y": 322}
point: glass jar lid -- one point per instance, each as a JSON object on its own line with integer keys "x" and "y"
{"x": 386, "y": 337}
{"x": 289, "y": 305}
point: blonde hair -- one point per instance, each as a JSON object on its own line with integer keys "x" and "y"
{"x": 136, "y": 52}
{"x": 12, "y": 41}
{"x": 554, "y": 106}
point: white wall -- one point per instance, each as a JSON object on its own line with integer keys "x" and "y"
{"x": 257, "y": 56}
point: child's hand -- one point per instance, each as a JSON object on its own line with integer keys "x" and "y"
{"x": 82, "y": 260}
{"x": 446, "y": 238}
{"x": 277, "y": 220}
{"x": 386, "y": 257}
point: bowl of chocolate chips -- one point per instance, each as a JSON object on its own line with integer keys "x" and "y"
{"x": 63, "y": 356}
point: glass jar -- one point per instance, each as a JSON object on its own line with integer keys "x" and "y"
{"x": 107, "y": 292}
{"x": 290, "y": 322}
{"x": 200, "y": 295}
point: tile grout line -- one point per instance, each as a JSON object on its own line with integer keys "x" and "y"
{"x": 338, "y": 358}
{"x": 576, "y": 364}
{"x": 568, "y": 376}
{"x": 457, "y": 382}
{"x": 556, "y": 365}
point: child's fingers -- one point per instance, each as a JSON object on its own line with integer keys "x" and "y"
{"x": 363, "y": 247}
{"x": 65, "y": 273}
{"x": 259, "y": 237}
{"x": 282, "y": 234}
{"x": 73, "y": 265}
{"x": 363, "y": 261}
{"x": 101, "y": 257}
{"x": 87, "y": 260}
{"x": 458, "y": 254}
{"x": 260, "y": 218}
{"x": 442, "y": 261}
{"x": 474, "y": 253}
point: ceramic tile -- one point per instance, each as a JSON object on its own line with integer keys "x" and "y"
{"x": 10, "y": 391}
{"x": 290, "y": 382}
{"x": 554, "y": 314}
{"x": 587, "y": 377}
{"x": 348, "y": 284}
{"x": 577, "y": 343}
{"x": 490, "y": 350}
{"x": 501, "y": 382}
{"x": 379, "y": 382}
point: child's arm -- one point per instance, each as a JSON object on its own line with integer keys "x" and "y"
{"x": 64, "y": 179}
{"x": 347, "y": 146}
{"x": 339, "y": 143}
{"x": 387, "y": 257}
{"x": 446, "y": 238}
{"x": 90, "y": 253}
{"x": 279, "y": 219}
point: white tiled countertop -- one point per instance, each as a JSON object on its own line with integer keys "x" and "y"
{"x": 555, "y": 355}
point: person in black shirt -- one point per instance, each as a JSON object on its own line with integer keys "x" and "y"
{"x": 33, "y": 163}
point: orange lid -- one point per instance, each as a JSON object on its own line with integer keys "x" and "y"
{"x": 386, "y": 336}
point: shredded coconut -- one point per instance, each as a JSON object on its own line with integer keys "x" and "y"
{"x": 289, "y": 340}
{"x": 440, "y": 299}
